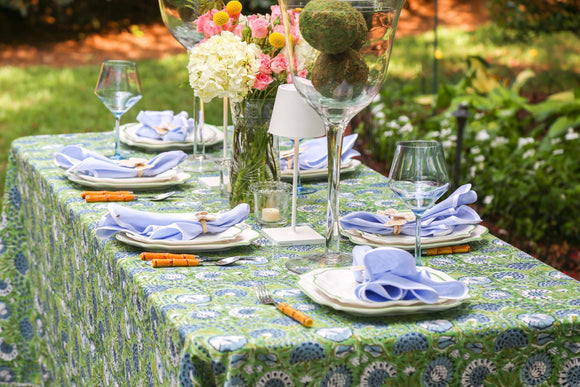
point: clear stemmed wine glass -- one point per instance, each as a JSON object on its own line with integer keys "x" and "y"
{"x": 338, "y": 58}
{"x": 179, "y": 18}
{"x": 418, "y": 176}
{"x": 119, "y": 89}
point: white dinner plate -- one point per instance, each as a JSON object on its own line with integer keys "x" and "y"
{"x": 165, "y": 179}
{"x": 407, "y": 242}
{"x": 128, "y": 135}
{"x": 315, "y": 285}
{"x": 245, "y": 238}
{"x": 312, "y": 174}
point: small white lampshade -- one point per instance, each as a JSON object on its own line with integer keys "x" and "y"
{"x": 293, "y": 117}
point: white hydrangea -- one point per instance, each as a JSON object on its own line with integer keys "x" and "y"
{"x": 223, "y": 66}
{"x": 305, "y": 54}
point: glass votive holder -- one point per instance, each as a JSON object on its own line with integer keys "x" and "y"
{"x": 271, "y": 202}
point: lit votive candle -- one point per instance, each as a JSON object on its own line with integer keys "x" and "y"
{"x": 270, "y": 214}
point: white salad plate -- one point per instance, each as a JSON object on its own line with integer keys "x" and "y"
{"x": 321, "y": 286}
{"x": 128, "y": 135}
{"x": 470, "y": 233}
{"x": 312, "y": 174}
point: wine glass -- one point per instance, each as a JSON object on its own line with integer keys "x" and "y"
{"x": 419, "y": 177}
{"x": 179, "y": 18}
{"x": 119, "y": 89}
{"x": 338, "y": 57}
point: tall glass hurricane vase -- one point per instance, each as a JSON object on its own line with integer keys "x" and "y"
{"x": 339, "y": 57}
{"x": 179, "y": 17}
{"x": 418, "y": 176}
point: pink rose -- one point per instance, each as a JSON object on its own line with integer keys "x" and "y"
{"x": 265, "y": 64}
{"x": 262, "y": 81}
{"x": 259, "y": 27}
{"x": 279, "y": 64}
{"x": 238, "y": 28}
{"x": 275, "y": 11}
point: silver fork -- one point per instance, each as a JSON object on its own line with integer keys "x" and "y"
{"x": 265, "y": 298}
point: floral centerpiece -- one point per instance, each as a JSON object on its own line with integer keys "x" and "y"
{"x": 244, "y": 58}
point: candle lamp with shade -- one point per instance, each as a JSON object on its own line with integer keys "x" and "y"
{"x": 293, "y": 118}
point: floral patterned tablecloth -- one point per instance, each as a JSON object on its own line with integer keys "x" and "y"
{"x": 76, "y": 309}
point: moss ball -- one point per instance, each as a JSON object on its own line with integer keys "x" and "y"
{"x": 340, "y": 76}
{"x": 332, "y": 26}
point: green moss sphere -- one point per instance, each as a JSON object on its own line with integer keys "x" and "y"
{"x": 332, "y": 26}
{"x": 340, "y": 76}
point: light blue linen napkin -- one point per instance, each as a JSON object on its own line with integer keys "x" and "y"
{"x": 390, "y": 274}
{"x": 315, "y": 153}
{"x": 163, "y": 125}
{"x": 166, "y": 226}
{"x": 442, "y": 219}
{"x": 85, "y": 162}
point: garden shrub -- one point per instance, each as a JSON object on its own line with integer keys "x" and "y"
{"x": 526, "y": 17}
{"x": 521, "y": 158}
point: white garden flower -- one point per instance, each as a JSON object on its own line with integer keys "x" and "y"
{"x": 523, "y": 141}
{"x": 475, "y": 150}
{"x": 404, "y": 118}
{"x": 488, "y": 199}
{"x": 388, "y": 133}
{"x": 558, "y": 152}
{"x": 482, "y": 135}
{"x": 406, "y": 128}
{"x": 571, "y": 135}
{"x": 479, "y": 159}
{"x": 499, "y": 141}
{"x": 223, "y": 66}
{"x": 529, "y": 153}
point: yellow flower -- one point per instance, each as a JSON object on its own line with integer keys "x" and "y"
{"x": 234, "y": 7}
{"x": 277, "y": 39}
{"x": 533, "y": 52}
{"x": 220, "y": 18}
{"x": 438, "y": 54}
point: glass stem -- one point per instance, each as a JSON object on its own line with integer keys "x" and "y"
{"x": 225, "y": 126}
{"x": 418, "y": 240}
{"x": 195, "y": 125}
{"x": 334, "y": 134}
{"x": 199, "y": 122}
{"x": 117, "y": 154}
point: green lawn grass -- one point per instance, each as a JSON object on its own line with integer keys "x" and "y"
{"x": 45, "y": 100}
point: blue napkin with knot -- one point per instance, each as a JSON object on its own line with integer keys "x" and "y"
{"x": 443, "y": 218}
{"x": 315, "y": 153}
{"x": 390, "y": 274}
{"x": 168, "y": 226}
{"x": 163, "y": 125}
{"x": 86, "y": 162}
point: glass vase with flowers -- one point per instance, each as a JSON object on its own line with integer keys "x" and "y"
{"x": 243, "y": 58}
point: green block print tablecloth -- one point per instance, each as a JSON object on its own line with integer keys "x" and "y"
{"x": 79, "y": 310}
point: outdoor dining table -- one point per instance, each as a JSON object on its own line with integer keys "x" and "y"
{"x": 77, "y": 309}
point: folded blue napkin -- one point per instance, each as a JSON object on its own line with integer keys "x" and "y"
{"x": 441, "y": 219}
{"x": 163, "y": 125}
{"x": 390, "y": 274}
{"x": 85, "y": 162}
{"x": 315, "y": 153}
{"x": 167, "y": 226}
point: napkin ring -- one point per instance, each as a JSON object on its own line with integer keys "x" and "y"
{"x": 398, "y": 219}
{"x": 137, "y": 163}
{"x": 164, "y": 128}
{"x": 289, "y": 155}
{"x": 203, "y": 217}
